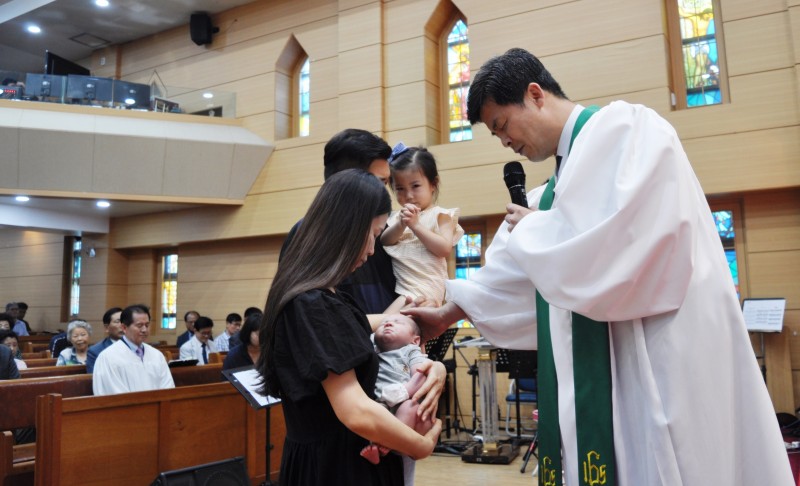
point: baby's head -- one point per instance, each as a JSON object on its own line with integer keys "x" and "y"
{"x": 396, "y": 331}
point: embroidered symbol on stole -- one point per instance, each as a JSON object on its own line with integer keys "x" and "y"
{"x": 548, "y": 474}
{"x": 592, "y": 473}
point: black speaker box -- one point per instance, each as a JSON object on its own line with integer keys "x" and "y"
{"x": 230, "y": 472}
{"x": 200, "y": 28}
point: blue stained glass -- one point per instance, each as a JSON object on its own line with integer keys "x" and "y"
{"x": 305, "y": 99}
{"x": 723, "y": 220}
{"x": 469, "y": 246}
{"x": 458, "y": 81}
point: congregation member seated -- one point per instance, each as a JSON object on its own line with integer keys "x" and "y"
{"x": 10, "y": 340}
{"x": 78, "y": 333}
{"x": 58, "y": 343}
{"x": 227, "y": 339}
{"x": 23, "y": 309}
{"x": 19, "y": 327}
{"x": 5, "y": 322}
{"x": 202, "y": 343}
{"x": 114, "y": 331}
{"x": 188, "y": 320}
{"x": 130, "y": 364}
{"x": 247, "y": 351}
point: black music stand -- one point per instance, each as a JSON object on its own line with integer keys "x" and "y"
{"x": 248, "y": 380}
{"x": 437, "y": 351}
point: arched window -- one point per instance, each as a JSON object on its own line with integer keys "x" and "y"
{"x": 697, "y": 54}
{"x": 458, "y": 82}
{"x": 292, "y": 91}
{"x": 303, "y": 99}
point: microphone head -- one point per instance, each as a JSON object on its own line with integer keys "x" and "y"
{"x": 513, "y": 174}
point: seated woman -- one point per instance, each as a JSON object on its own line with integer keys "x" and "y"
{"x": 247, "y": 351}
{"x": 78, "y": 333}
{"x": 10, "y": 339}
{"x": 316, "y": 353}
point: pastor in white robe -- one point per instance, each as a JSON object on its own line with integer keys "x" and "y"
{"x": 119, "y": 370}
{"x": 630, "y": 240}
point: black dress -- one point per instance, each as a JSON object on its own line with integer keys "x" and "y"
{"x": 317, "y": 332}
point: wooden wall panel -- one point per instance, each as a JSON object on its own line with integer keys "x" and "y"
{"x": 760, "y": 101}
{"x": 324, "y": 79}
{"x": 31, "y": 271}
{"x": 403, "y": 64}
{"x": 758, "y": 44}
{"x": 730, "y": 163}
{"x": 245, "y": 259}
{"x": 774, "y": 274}
{"x": 33, "y": 259}
{"x": 360, "y": 27}
{"x": 357, "y": 69}
{"x": 572, "y": 26}
{"x": 740, "y": 9}
{"x": 218, "y": 299}
{"x": 772, "y": 221}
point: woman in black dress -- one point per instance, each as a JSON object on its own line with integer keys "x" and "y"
{"x": 316, "y": 354}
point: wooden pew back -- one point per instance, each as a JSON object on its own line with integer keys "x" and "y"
{"x": 154, "y": 431}
{"x": 39, "y": 362}
{"x": 41, "y": 371}
{"x": 20, "y": 395}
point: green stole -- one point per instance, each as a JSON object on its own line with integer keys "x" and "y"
{"x": 592, "y": 378}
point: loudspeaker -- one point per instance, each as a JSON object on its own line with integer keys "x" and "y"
{"x": 200, "y": 28}
{"x": 230, "y": 472}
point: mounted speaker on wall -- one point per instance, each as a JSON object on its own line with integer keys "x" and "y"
{"x": 200, "y": 28}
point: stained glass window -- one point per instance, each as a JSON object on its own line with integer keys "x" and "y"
{"x": 458, "y": 82}
{"x": 468, "y": 260}
{"x": 305, "y": 100}
{"x": 723, "y": 220}
{"x": 169, "y": 292}
{"x": 75, "y": 278}
{"x": 700, "y": 54}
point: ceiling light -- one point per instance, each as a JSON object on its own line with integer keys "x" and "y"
{"x": 208, "y": 96}
{"x": 34, "y": 29}
{"x": 103, "y": 204}
{"x": 22, "y": 198}
{"x": 101, "y": 3}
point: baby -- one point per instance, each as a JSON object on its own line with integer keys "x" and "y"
{"x": 397, "y": 341}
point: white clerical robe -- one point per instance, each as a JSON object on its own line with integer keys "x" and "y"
{"x": 630, "y": 240}
{"x": 119, "y": 370}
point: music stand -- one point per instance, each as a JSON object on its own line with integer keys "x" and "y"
{"x": 437, "y": 351}
{"x": 248, "y": 380}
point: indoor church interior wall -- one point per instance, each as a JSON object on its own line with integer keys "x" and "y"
{"x": 372, "y": 66}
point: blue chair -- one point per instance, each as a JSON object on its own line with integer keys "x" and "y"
{"x": 522, "y": 370}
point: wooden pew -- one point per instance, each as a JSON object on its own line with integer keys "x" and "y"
{"x": 39, "y": 362}
{"x": 53, "y": 371}
{"x": 20, "y": 412}
{"x": 197, "y": 375}
{"x": 156, "y": 431}
{"x": 36, "y": 355}
{"x": 22, "y": 394}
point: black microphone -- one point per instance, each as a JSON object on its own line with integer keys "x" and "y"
{"x": 514, "y": 177}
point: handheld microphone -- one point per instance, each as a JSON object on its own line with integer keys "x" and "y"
{"x": 514, "y": 177}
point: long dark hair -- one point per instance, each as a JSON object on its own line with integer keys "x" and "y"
{"x": 324, "y": 250}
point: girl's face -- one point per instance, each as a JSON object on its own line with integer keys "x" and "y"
{"x": 412, "y": 187}
{"x": 79, "y": 338}
{"x": 375, "y": 230}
